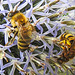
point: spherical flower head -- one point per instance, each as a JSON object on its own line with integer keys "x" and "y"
{"x": 50, "y": 18}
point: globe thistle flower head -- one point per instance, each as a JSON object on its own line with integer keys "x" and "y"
{"x": 51, "y": 19}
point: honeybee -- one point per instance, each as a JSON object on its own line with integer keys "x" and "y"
{"x": 22, "y": 28}
{"x": 67, "y": 43}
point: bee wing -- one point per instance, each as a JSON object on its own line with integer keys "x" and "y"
{"x": 12, "y": 39}
{"x": 26, "y": 33}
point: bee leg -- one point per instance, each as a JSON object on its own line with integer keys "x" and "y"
{"x": 8, "y": 27}
{"x": 11, "y": 30}
{"x": 33, "y": 48}
{"x": 12, "y": 39}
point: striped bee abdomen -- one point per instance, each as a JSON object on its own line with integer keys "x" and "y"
{"x": 22, "y": 45}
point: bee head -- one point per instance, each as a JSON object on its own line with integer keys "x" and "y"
{"x": 11, "y": 13}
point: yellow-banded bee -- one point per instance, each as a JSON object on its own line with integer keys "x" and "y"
{"x": 67, "y": 43}
{"x": 67, "y": 39}
{"x": 22, "y": 28}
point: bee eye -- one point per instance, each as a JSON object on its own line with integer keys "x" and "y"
{"x": 10, "y": 14}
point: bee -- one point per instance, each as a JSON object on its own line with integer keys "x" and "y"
{"x": 67, "y": 39}
{"x": 67, "y": 43}
{"x": 22, "y": 29}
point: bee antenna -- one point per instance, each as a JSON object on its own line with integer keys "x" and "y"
{"x": 16, "y": 6}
